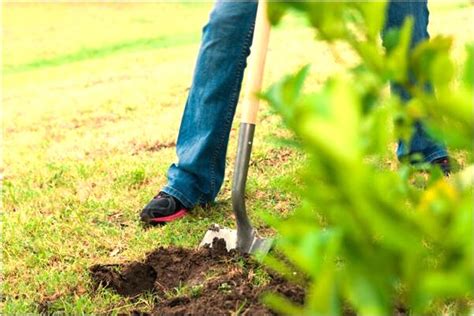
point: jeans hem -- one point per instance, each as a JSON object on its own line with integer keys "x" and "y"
{"x": 440, "y": 153}
{"x": 177, "y": 194}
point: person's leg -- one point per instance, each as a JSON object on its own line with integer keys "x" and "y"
{"x": 210, "y": 107}
{"x": 420, "y": 143}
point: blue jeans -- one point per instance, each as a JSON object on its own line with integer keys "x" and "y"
{"x": 420, "y": 142}
{"x": 207, "y": 119}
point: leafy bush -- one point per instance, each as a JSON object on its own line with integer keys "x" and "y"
{"x": 365, "y": 235}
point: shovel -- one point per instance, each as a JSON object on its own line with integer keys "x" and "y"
{"x": 245, "y": 238}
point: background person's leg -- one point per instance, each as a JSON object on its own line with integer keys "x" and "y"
{"x": 210, "y": 107}
{"x": 421, "y": 143}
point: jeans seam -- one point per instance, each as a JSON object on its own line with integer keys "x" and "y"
{"x": 232, "y": 99}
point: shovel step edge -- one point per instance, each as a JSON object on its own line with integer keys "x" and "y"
{"x": 259, "y": 245}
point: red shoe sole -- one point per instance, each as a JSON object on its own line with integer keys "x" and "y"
{"x": 181, "y": 213}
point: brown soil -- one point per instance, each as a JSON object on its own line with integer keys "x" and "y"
{"x": 206, "y": 281}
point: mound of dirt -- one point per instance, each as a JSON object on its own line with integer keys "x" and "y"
{"x": 206, "y": 281}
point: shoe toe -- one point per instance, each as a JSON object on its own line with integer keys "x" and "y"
{"x": 157, "y": 207}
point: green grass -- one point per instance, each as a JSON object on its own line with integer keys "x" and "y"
{"x": 84, "y": 159}
{"x": 141, "y": 44}
{"x": 87, "y": 128}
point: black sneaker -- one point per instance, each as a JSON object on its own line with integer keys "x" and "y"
{"x": 163, "y": 208}
{"x": 443, "y": 164}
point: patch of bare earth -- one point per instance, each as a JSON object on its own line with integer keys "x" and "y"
{"x": 218, "y": 282}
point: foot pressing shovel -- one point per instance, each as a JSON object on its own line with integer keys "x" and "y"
{"x": 245, "y": 238}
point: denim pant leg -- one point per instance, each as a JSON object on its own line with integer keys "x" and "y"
{"x": 210, "y": 107}
{"x": 420, "y": 143}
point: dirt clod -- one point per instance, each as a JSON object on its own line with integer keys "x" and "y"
{"x": 126, "y": 280}
{"x": 206, "y": 281}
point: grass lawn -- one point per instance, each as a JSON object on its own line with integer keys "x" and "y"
{"x": 92, "y": 99}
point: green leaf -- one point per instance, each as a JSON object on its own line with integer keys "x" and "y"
{"x": 426, "y": 54}
{"x": 276, "y": 11}
{"x": 468, "y": 77}
{"x": 396, "y": 61}
{"x": 281, "y": 304}
{"x": 364, "y": 296}
{"x": 374, "y": 16}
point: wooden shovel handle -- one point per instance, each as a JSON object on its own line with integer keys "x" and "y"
{"x": 256, "y": 64}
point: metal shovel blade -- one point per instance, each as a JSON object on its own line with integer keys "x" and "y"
{"x": 257, "y": 245}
